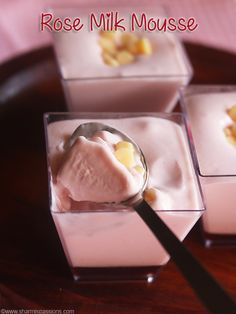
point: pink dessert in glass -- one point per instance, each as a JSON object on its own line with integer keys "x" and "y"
{"x": 128, "y": 80}
{"x": 102, "y": 238}
{"x": 211, "y": 113}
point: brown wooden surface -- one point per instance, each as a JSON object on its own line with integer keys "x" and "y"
{"x": 33, "y": 270}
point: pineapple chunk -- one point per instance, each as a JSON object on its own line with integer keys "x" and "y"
{"x": 107, "y": 45}
{"x": 109, "y": 60}
{"x": 227, "y": 131}
{"x": 233, "y": 130}
{"x": 230, "y": 133}
{"x": 124, "y": 144}
{"x": 133, "y": 48}
{"x": 232, "y": 113}
{"x": 125, "y": 156}
{"x": 129, "y": 42}
{"x": 124, "y": 57}
{"x": 108, "y": 34}
{"x": 232, "y": 140}
{"x": 150, "y": 195}
{"x": 122, "y": 48}
{"x": 144, "y": 46}
{"x": 128, "y": 39}
{"x": 139, "y": 169}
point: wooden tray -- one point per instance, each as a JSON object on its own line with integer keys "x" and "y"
{"x": 34, "y": 273}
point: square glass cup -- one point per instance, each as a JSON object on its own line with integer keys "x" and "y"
{"x": 215, "y": 158}
{"x": 110, "y": 242}
{"x": 91, "y": 85}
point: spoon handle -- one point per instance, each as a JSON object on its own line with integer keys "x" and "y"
{"x": 208, "y": 290}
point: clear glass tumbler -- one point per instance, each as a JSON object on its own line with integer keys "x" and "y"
{"x": 110, "y": 242}
{"x": 92, "y": 85}
{"x": 206, "y": 109}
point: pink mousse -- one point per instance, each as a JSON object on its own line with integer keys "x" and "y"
{"x": 91, "y": 172}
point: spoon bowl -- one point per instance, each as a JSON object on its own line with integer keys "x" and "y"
{"x": 89, "y": 129}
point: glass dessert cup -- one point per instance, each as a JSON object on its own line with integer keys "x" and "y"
{"x": 91, "y": 85}
{"x": 216, "y": 168}
{"x": 109, "y": 242}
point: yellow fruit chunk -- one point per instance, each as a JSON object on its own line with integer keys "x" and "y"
{"x": 124, "y": 57}
{"x": 128, "y": 38}
{"x": 124, "y": 144}
{"x": 129, "y": 42}
{"x": 232, "y": 140}
{"x": 125, "y": 156}
{"x": 122, "y": 48}
{"x": 107, "y": 45}
{"x": 230, "y": 133}
{"x": 108, "y": 34}
{"x": 233, "y": 130}
{"x": 150, "y": 195}
{"x": 227, "y": 131}
{"x": 109, "y": 60}
{"x": 132, "y": 48}
{"x": 232, "y": 113}
{"x": 144, "y": 46}
{"x": 139, "y": 169}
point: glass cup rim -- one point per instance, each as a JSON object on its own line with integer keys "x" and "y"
{"x": 188, "y": 73}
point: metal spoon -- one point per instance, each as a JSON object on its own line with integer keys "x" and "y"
{"x": 212, "y": 295}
